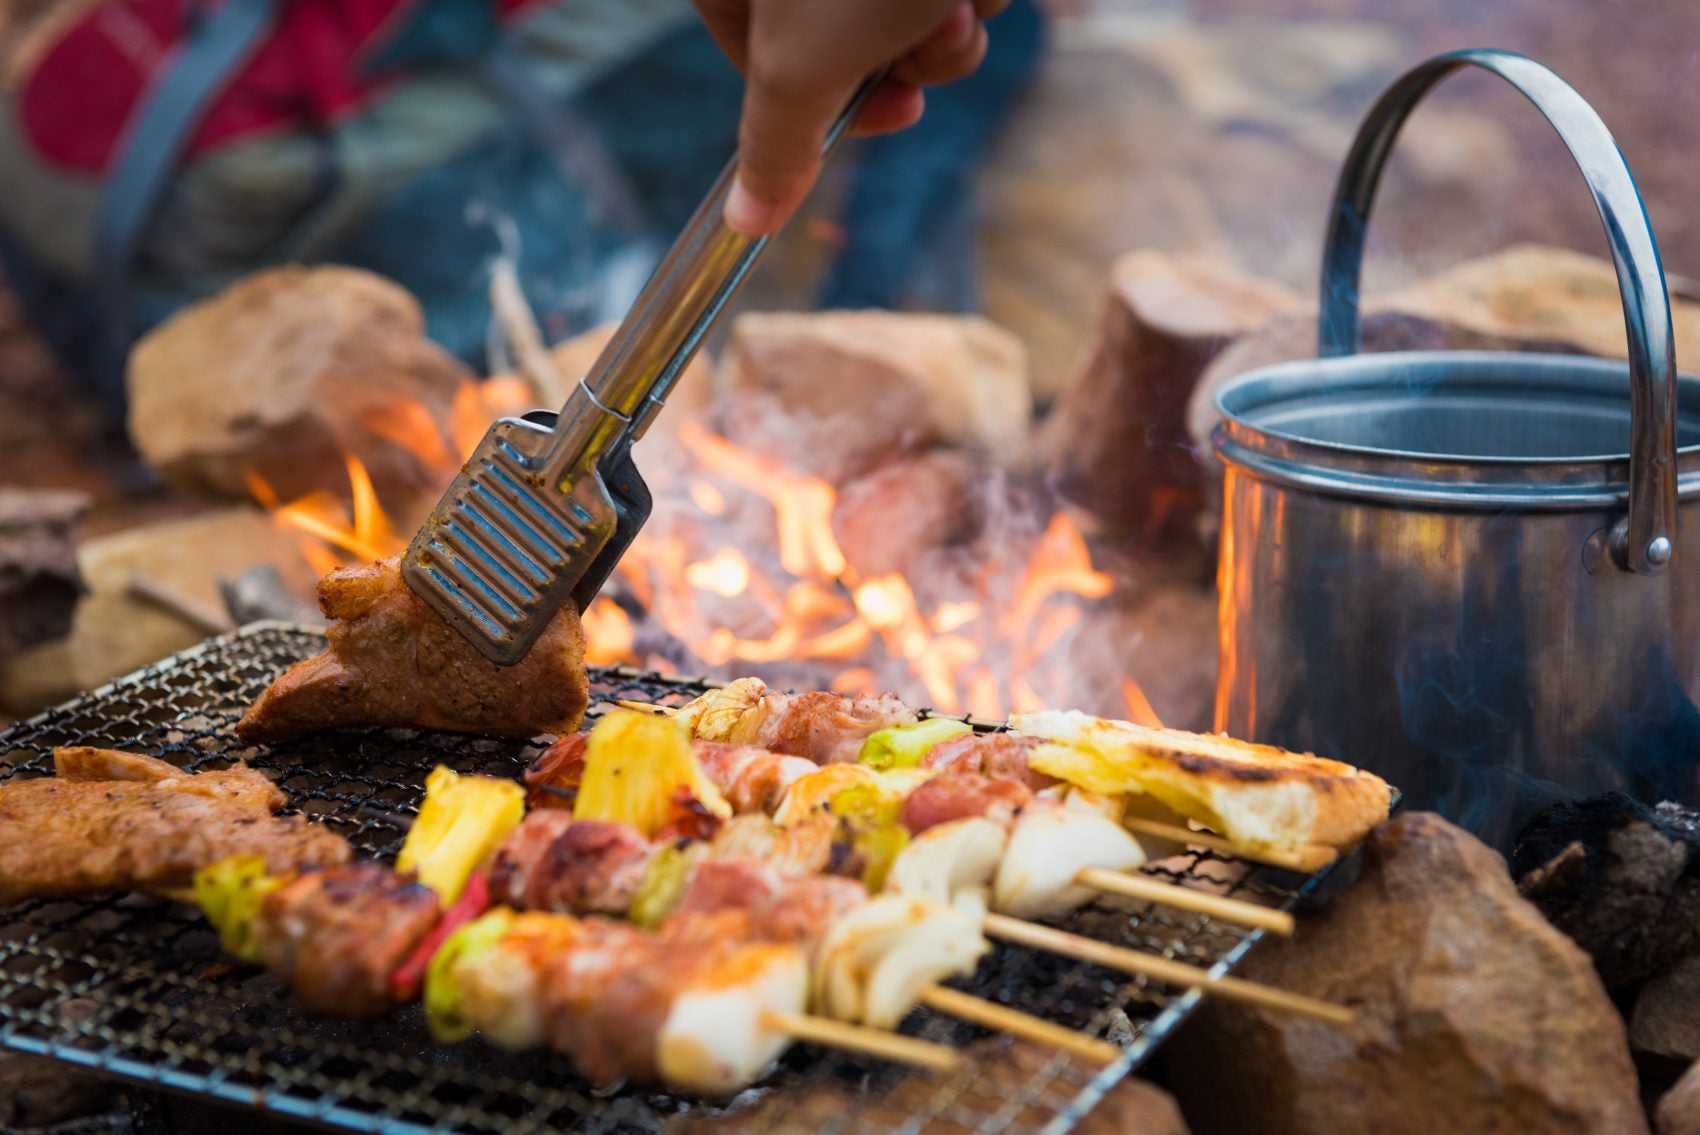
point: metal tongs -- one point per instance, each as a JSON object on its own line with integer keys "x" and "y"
{"x": 548, "y": 503}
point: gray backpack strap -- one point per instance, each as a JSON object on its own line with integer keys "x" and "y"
{"x": 220, "y": 41}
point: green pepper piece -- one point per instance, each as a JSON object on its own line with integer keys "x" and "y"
{"x": 903, "y": 746}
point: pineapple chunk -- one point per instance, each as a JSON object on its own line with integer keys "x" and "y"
{"x": 638, "y": 767}
{"x": 461, "y": 823}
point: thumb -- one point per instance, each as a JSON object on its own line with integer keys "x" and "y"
{"x": 779, "y": 149}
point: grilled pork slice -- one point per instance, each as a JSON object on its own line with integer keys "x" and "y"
{"x": 554, "y": 862}
{"x": 394, "y": 661}
{"x": 1256, "y": 796}
{"x": 1002, "y": 756}
{"x": 821, "y": 727}
{"x": 338, "y": 936}
{"x": 115, "y": 821}
{"x": 751, "y": 778}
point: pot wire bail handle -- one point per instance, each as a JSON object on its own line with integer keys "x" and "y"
{"x": 1643, "y": 541}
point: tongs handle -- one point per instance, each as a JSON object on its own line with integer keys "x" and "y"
{"x": 661, "y": 332}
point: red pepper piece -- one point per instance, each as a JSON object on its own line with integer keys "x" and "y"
{"x": 474, "y": 900}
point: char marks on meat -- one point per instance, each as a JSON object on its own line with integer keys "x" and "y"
{"x": 338, "y": 936}
{"x": 804, "y": 848}
{"x": 999, "y": 755}
{"x": 552, "y": 779}
{"x": 115, "y": 821}
{"x": 828, "y": 728}
{"x": 393, "y": 661}
{"x": 960, "y": 796}
{"x": 553, "y": 862}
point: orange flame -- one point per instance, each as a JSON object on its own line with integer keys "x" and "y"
{"x": 983, "y": 652}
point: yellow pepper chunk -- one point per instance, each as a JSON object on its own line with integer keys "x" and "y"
{"x": 229, "y": 894}
{"x": 639, "y": 769}
{"x": 461, "y": 823}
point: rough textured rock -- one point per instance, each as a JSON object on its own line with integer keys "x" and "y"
{"x": 1016, "y": 1087}
{"x": 39, "y": 580}
{"x": 856, "y": 387}
{"x": 1620, "y": 878}
{"x": 1526, "y": 298}
{"x": 890, "y": 519}
{"x": 114, "y": 631}
{"x": 1164, "y": 640}
{"x": 1118, "y": 439}
{"x": 1679, "y": 1110}
{"x": 284, "y": 373}
{"x": 36, "y": 1093}
{"x": 1666, "y": 1019}
{"x": 1474, "y": 1014}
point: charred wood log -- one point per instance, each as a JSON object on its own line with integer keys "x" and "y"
{"x": 1620, "y": 878}
{"x": 39, "y": 580}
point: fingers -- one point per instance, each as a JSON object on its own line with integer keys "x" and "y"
{"x": 728, "y": 22}
{"x": 893, "y": 105}
{"x": 953, "y": 51}
{"x": 779, "y": 142}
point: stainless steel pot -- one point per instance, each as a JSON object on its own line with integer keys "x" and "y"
{"x": 1467, "y": 570}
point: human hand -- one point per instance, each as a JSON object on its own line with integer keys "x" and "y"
{"x": 802, "y": 60}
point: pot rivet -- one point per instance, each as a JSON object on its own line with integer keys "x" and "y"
{"x": 1658, "y": 551}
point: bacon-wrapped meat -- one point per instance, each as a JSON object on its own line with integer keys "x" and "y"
{"x": 338, "y": 936}
{"x": 952, "y": 796}
{"x": 1002, "y": 756}
{"x": 554, "y": 862}
{"x": 823, "y": 727}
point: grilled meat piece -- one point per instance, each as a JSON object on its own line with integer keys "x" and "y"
{"x": 575, "y": 984}
{"x": 551, "y": 781}
{"x": 828, "y": 728}
{"x": 1002, "y": 756}
{"x": 960, "y": 796}
{"x": 752, "y": 779}
{"x": 554, "y": 862}
{"x": 394, "y": 661}
{"x": 115, "y": 821}
{"x": 780, "y": 908}
{"x": 338, "y": 936}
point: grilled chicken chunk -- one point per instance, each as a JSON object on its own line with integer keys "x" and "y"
{"x": 394, "y": 661}
{"x": 338, "y": 936}
{"x": 115, "y": 821}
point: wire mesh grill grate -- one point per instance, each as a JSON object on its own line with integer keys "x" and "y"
{"x": 137, "y": 986}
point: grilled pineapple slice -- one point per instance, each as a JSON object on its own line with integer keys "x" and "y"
{"x": 639, "y": 769}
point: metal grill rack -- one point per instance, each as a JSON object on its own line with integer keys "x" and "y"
{"x": 136, "y": 986}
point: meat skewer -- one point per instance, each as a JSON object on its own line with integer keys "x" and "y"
{"x": 960, "y": 789}
{"x": 111, "y": 821}
{"x": 553, "y": 862}
{"x": 1261, "y": 799}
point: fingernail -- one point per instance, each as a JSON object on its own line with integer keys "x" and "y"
{"x": 746, "y": 214}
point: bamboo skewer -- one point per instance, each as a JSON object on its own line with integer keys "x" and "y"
{"x": 860, "y": 1038}
{"x": 1138, "y": 886}
{"x": 1313, "y": 857}
{"x": 991, "y": 1015}
{"x": 1163, "y": 969}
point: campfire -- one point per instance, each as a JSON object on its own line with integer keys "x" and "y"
{"x": 741, "y": 570}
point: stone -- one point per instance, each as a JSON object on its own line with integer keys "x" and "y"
{"x": 1162, "y": 640}
{"x": 836, "y": 393}
{"x": 1117, "y": 441}
{"x": 39, "y": 580}
{"x": 285, "y": 373}
{"x": 1679, "y": 1109}
{"x": 1666, "y": 1020}
{"x": 39, "y": 1093}
{"x": 1474, "y": 1014}
{"x": 1524, "y": 298}
{"x": 890, "y": 519}
{"x": 115, "y": 631}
